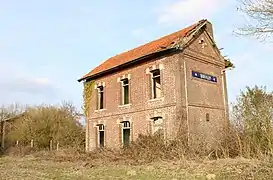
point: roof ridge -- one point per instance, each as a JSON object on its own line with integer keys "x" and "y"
{"x": 162, "y": 37}
{"x": 144, "y": 49}
{"x": 143, "y": 44}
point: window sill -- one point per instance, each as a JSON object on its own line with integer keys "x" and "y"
{"x": 100, "y": 110}
{"x": 125, "y": 106}
{"x": 157, "y": 99}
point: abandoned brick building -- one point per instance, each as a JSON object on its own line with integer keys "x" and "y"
{"x": 173, "y": 85}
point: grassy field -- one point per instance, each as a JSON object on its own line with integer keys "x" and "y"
{"x": 33, "y": 168}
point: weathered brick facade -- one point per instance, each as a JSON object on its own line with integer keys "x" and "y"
{"x": 189, "y": 105}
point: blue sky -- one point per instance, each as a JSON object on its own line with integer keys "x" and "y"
{"x": 46, "y": 45}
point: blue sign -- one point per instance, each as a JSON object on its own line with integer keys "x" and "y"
{"x": 204, "y": 76}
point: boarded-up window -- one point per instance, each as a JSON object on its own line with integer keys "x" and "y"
{"x": 156, "y": 84}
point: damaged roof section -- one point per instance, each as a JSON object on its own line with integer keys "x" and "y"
{"x": 164, "y": 43}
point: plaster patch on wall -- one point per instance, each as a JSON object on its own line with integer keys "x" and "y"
{"x": 126, "y": 118}
{"x": 161, "y": 66}
{"x": 203, "y": 43}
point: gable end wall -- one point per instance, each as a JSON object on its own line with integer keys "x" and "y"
{"x": 204, "y": 97}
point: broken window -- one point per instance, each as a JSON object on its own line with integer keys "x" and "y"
{"x": 100, "y": 97}
{"x": 156, "y": 84}
{"x": 126, "y": 133}
{"x": 101, "y": 135}
{"x": 125, "y": 91}
{"x": 158, "y": 126}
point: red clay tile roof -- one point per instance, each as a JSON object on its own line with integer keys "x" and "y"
{"x": 141, "y": 51}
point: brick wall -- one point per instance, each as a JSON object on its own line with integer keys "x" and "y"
{"x": 184, "y": 103}
{"x": 141, "y": 108}
{"x": 205, "y": 97}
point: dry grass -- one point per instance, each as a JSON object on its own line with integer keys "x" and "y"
{"x": 149, "y": 157}
{"x": 29, "y": 167}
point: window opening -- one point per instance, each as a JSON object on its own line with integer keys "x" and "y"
{"x": 158, "y": 126}
{"x": 100, "y": 97}
{"x": 101, "y": 135}
{"x": 156, "y": 84}
{"x": 207, "y": 117}
{"x": 125, "y": 91}
{"x": 126, "y": 133}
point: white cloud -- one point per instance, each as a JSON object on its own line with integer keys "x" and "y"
{"x": 41, "y": 81}
{"x": 27, "y": 85}
{"x": 15, "y": 78}
{"x": 188, "y": 10}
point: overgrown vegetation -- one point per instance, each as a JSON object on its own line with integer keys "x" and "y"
{"x": 87, "y": 95}
{"x": 44, "y": 127}
{"x": 249, "y": 136}
{"x": 229, "y": 64}
{"x": 253, "y": 115}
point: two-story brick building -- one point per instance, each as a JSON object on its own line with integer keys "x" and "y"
{"x": 173, "y": 86}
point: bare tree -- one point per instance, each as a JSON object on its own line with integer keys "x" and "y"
{"x": 259, "y": 18}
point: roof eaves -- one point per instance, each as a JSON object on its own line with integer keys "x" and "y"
{"x": 146, "y": 57}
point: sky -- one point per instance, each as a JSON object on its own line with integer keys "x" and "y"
{"x": 46, "y": 45}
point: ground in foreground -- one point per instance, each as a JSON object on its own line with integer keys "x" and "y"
{"x": 33, "y": 168}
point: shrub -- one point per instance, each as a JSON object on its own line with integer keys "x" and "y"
{"x": 45, "y": 124}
